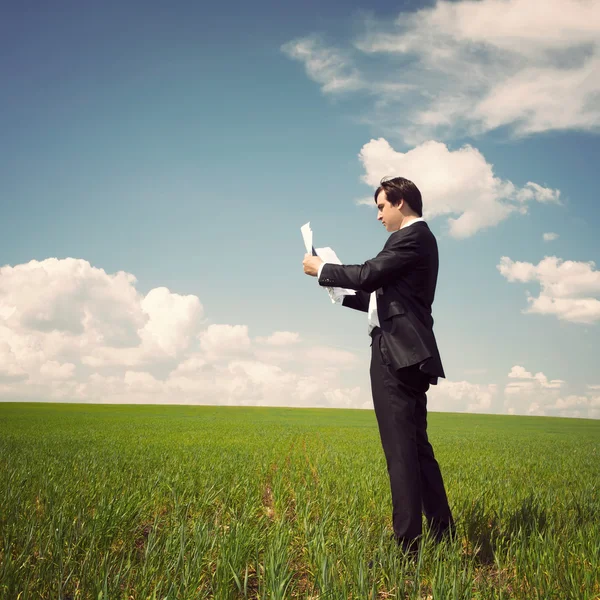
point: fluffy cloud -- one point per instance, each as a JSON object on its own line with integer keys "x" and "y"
{"x": 461, "y": 396}
{"x": 52, "y": 369}
{"x": 225, "y": 340}
{"x": 346, "y": 398}
{"x": 67, "y": 311}
{"x": 524, "y": 381}
{"x": 550, "y": 236}
{"x": 469, "y": 67}
{"x": 326, "y": 356}
{"x": 72, "y": 332}
{"x": 328, "y": 66}
{"x": 534, "y": 394}
{"x": 280, "y": 338}
{"x": 144, "y": 356}
{"x": 9, "y": 364}
{"x": 569, "y": 289}
{"x": 522, "y": 393}
{"x": 453, "y": 182}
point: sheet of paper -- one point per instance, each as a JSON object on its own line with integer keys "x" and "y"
{"x": 327, "y": 254}
{"x": 307, "y": 236}
{"x": 336, "y": 294}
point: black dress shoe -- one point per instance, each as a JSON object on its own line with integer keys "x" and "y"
{"x": 409, "y": 546}
{"x": 445, "y": 533}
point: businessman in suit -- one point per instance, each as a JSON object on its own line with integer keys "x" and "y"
{"x": 396, "y": 289}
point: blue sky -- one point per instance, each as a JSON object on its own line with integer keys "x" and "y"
{"x": 187, "y": 144}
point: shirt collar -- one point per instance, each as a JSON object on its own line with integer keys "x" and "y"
{"x": 413, "y": 221}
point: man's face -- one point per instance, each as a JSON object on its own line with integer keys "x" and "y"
{"x": 389, "y": 215}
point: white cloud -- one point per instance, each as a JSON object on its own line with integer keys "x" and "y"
{"x": 534, "y": 191}
{"x": 519, "y": 372}
{"x": 462, "y": 396}
{"x": 550, "y": 236}
{"x": 569, "y": 290}
{"x": 470, "y": 66}
{"x": 225, "y": 340}
{"x": 278, "y": 348}
{"x": 72, "y": 332}
{"x": 52, "y": 369}
{"x": 252, "y": 382}
{"x": 529, "y": 394}
{"x": 70, "y": 296}
{"x": 142, "y": 381}
{"x": 170, "y": 317}
{"x": 45, "y": 352}
{"x": 9, "y": 364}
{"x": 343, "y": 397}
{"x": 195, "y": 362}
{"x": 324, "y": 356}
{"x": 523, "y": 393}
{"x": 325, "y": 65}
{"x": 66, "y": 310}
{"x": 280, "y": 338}
{"x": 459, "y": 184}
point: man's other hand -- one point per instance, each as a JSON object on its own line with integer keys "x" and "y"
{"x": 311, "y": 264}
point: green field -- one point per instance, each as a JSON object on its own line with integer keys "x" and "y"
{"x": 114, "y": 502}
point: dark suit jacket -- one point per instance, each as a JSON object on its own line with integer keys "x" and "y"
{"x": 404, "y": 276}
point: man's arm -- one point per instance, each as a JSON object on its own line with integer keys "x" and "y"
{"x": 360, "y": 301}
{"x": 400, "y": 251}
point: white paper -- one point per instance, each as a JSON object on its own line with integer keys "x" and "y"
{"x": 326, "y": 254}
{"x": 307, "y": 236}
{"x": 336, "y": 294}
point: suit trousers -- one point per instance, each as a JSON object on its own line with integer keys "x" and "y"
{"x": 400, "y": 402}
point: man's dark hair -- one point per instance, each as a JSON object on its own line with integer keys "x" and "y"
{"x": 398, "y": 189}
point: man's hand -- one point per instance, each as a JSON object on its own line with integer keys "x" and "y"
{"x": 311, "y": 264}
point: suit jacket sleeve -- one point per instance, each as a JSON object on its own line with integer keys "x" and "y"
{"x": 358, "y": 302}
{"x": 400, "y": 252}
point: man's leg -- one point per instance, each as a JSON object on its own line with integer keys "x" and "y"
{"x": 395, "y": 400}
{"x": 435, "y": 501}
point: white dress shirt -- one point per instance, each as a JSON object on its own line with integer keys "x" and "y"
{"x": 373, "y": 318}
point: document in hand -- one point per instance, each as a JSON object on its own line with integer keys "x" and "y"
{"x": 326, "y": 255}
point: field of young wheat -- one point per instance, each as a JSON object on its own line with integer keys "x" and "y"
{"x": 173, "y": 502}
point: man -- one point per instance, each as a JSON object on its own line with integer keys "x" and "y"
{"x": 397, "y": 289}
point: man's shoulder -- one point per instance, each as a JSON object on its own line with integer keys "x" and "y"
{"x": 417, "y": 231}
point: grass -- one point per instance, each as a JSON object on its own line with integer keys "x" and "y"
{"x": 171, "y": 502}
